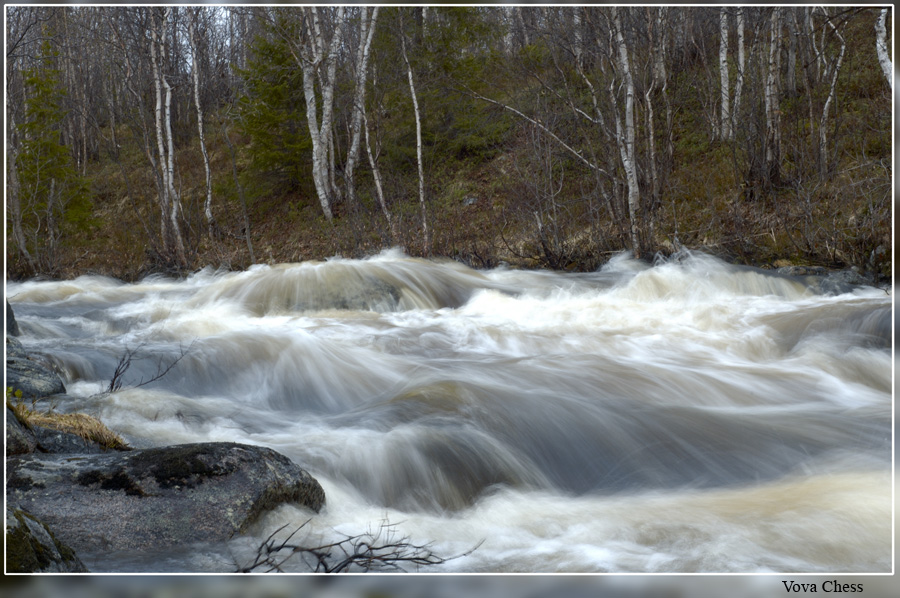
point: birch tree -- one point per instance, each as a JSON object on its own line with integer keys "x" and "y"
{"x": 724, "y": 86}
{"x": 318, "y": 62}
{"x": 832, "y": 69}
{"x": 772, "y": 100}
{"x": 881, "y": 47}
{"x": 426, "y": 235}
{"x": 195, "y": 72}
{"x": 169, "y": 200}
{"x": 367, "y": 22}
{"x": 625, "y": 132}
{"x": 739, "y": 82}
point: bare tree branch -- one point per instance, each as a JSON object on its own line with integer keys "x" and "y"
{"x": 382, "y": 550}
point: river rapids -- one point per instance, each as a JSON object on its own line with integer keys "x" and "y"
{"x": 690, "y": 416}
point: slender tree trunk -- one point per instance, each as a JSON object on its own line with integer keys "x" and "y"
{"x": 207, "y": 205}
{"x": 881, "y": 47}
{"x": 13, "y": 194}
{"x": 578, "y": 32}
{"x": 426, "y": 235}
{"x": 790, "y": 76}
{"x": 320, "y": 178}
{"x": 174, "y": 199}
{"x": 169, "y": 202}
{"x": 523, "y": 30}
{"x": 725, "y": 88}
{"x": 379, "y": 191}
{"x": 159, "y": 165}
{"x": 654, "y": 173}
{"x": 625, "y": 137}
{"x": 366, "y": 33}
{"x": 240, "y": 189}
{"x": 659, "y": 46}
{"x": 832, "y": 70}
{"x": 773, "y": 100}
{"x": 739, "y": 83}
{"x": 316, "y": 55}
{"x": 52, "y": 227}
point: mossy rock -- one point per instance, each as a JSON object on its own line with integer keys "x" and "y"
{"x": 32, "y": 548}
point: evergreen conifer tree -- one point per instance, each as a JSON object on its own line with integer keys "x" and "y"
{"x": 54, "y": 195}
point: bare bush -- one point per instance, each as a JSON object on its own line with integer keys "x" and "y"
{"x": 118, "y": 378}
{"x": 383, "y": 549}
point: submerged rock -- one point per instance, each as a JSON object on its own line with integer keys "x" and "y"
{"x": 32, "y": 548}
{"x": 160, "y": 497}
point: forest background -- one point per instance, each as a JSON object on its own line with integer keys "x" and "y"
{"x": 164, "y": 139}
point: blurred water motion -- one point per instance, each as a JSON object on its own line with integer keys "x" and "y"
{"x": 686, "y": 417}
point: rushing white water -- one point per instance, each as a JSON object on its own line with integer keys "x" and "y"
{"x": 690, "y": 416}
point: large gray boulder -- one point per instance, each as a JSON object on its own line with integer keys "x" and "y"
{"x": 157, "y": 498}
{"x": 32, "y": 548}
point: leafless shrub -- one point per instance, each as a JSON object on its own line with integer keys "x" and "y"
{"x": 382, "y": 549}
{"x": 162, "y": 368}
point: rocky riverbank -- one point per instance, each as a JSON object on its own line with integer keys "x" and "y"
{"x": 68, "y": 492}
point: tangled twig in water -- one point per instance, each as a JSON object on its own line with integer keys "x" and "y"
{"x": 379, "y": 550}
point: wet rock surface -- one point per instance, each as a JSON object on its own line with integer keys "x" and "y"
{"x": 153, "y": 498}
{"x": 19, "y": 439}
{"x": 31, "y": 378}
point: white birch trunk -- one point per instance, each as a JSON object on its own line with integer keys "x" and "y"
{"x": 811, "y": 34}
{"x": 509, "y": 35}
{"x": 312, "y": 63}
{"x": 207, "y": 205}
{"x": 625, "y": 138}
{"x": 170, "y": 206}
{"x": 578, "y": 31}
{"x": 739, "y": 83}
{"x": 174, "y": 199}
{"x": 884, "y": 58}
{"x": 654, "y": 175}
{"x": 772, "y": 99}
{"x": 379, "y": 190}
{"x": 659, "y": 47}
{"x": 426, "y": 235}
{"x": 366, "y": 33}
{"x": 159, "y": 165}
{"x": 725, "y": 88}
{"x": 832, "y": 70}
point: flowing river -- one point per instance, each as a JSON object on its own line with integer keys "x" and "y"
{"x": 690, "y": 416}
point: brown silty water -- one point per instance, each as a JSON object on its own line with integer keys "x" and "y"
{"x": 689, "y": 416}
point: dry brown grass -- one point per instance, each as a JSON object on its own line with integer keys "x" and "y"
{"x": 85, "y": 426}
